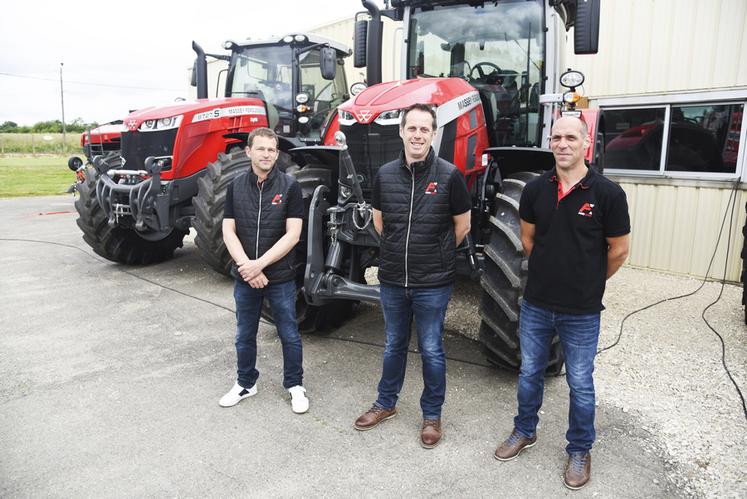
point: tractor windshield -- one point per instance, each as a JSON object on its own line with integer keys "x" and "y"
{"x": 266, "y": 71}
{"x": 498, "y": 48}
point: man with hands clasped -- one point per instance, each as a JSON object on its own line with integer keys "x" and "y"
{"x": 262, "y": 223}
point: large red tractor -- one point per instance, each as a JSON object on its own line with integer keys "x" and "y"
{"x": 492, "y": 71}
{"x": 175, "y": 161}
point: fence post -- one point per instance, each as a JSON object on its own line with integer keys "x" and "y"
{"x": 33, "y": 146}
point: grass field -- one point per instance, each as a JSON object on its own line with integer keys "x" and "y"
{"x": 34, "y": 176}
{"x": 36, "y": 143}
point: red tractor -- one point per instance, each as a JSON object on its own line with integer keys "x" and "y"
{"x": 172, "y": 163}
{"x": 492, "y": 72}
{"x": 100, "y": 141}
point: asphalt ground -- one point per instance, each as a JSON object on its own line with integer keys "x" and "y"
{"x": 110, "y": 378}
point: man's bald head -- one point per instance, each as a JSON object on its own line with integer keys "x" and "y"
{"x": 581, "y": 124}
{"x": 569, "y": 141}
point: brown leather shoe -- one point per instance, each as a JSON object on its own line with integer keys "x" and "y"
{"x": 513, "y": 445}
{"x": 372, "y": 417}
{"x": 431, "y": 433}
{"x": 577, "y": 470}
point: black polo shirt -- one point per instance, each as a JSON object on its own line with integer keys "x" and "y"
{"x": 568, "y": 264}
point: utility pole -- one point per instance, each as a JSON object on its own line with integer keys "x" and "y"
{"x": 62, "y": 101}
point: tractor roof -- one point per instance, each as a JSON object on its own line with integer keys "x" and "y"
{"x": 311, "y": 39}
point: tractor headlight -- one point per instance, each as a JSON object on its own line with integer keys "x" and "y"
{"x": 389, "y": 117}
{"x": 161, "y": 124}
{"x": 345, "y": 117}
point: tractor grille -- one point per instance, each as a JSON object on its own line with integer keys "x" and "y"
{"x": 370, "y": 147}
{"x": 136, "y": 146}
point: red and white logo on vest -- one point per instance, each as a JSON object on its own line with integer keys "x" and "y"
{"x": 432, "y": 188}
{"x": 278, "y": 199}
{"x": 585, "y": 210}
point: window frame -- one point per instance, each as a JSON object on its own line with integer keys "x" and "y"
{"x": 713, "y": 98}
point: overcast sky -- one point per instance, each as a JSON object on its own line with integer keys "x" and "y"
{"x": 127, "y": 54}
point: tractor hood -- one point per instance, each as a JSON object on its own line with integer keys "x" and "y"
{"x": 186, "y": 112}
{"x": 393, "y": 96}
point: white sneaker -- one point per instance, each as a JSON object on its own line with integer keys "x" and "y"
{"x": 299, "y": 402}
{"x": 236, "y": 395}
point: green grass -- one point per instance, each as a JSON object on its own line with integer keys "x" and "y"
{"x": 39, "y": 143}
{"x": 34, "y": 176}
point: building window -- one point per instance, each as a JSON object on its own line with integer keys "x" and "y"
{"x": 633, "y": 138}
{"x": 676, "y": 139}
{"x": 704, "y": 138}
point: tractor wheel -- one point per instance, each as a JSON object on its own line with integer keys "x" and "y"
{"x": 503, "y": 281}
{"x": 209, "y": 203}
{"x": 116, "y": 243}
{"x": 312, "y": 318}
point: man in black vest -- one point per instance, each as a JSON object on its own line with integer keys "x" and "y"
{"x": 262, "y": 223}
{"x": 575, "y": 228}
{"x": 421, "y": 209}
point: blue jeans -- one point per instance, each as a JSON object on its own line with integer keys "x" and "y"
{"x": 428, "y": 307}
{"x": 282, "y": 298}
{"x": 579, "y": 335}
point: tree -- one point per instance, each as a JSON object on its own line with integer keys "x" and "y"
{"x": 9, "y": 126}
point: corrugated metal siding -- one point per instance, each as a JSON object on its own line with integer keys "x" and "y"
{"x": 649, "y": 46}
{"x": 675, "y": 228}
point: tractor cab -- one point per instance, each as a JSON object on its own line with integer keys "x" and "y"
{"x": 498, "y": 49}
{"x": 300, "y": 77}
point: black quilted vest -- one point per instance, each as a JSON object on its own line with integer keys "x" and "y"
{"x": 418, "y": 246}
{"x": 260, "y": 214}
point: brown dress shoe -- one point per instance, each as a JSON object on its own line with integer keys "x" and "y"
{"x": 431, "y": 433}
{"x": 513, "y": 445}
{"x": 372, "y": 417}
{"x": 577, "y": 470}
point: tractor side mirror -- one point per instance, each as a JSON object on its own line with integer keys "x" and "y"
{"x": 586, "y": 30}
{"x": 328, "y": 62}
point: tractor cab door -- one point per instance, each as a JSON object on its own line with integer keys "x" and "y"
{"x": 320, "y": 96}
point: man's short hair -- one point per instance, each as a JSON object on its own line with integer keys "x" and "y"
{"x": 419, "y": 107}
{"x": 261, "y": 132}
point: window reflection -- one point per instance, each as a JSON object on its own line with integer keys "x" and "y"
{"x": 633, "y": 138}
{"x": 704, "y": 138}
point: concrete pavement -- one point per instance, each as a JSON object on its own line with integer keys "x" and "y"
{"x": 109, "y": 387}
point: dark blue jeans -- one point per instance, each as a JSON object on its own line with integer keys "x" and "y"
{"x": 428, "y": 307}
{"x": 579, "y": 335}
{"x": 282, "y": 298}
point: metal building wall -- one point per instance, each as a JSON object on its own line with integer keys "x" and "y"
{"x": 675, "y": 226}
{"x": 653, "y": 46}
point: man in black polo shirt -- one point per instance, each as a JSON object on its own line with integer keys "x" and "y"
{"x": 575, "y": 228}
{"x": 262, "y": 222}
{"x": 421, "y": 209}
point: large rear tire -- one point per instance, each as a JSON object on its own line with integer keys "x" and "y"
{"x": 503, "y": 282}
{"x": 119, "y": 244}
{"x": 209, "y": 203}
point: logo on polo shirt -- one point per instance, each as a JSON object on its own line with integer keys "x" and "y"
{"x": 432, "y": 188}
{"x": 585, "y": 210}
{"x": 278, "y": 199}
